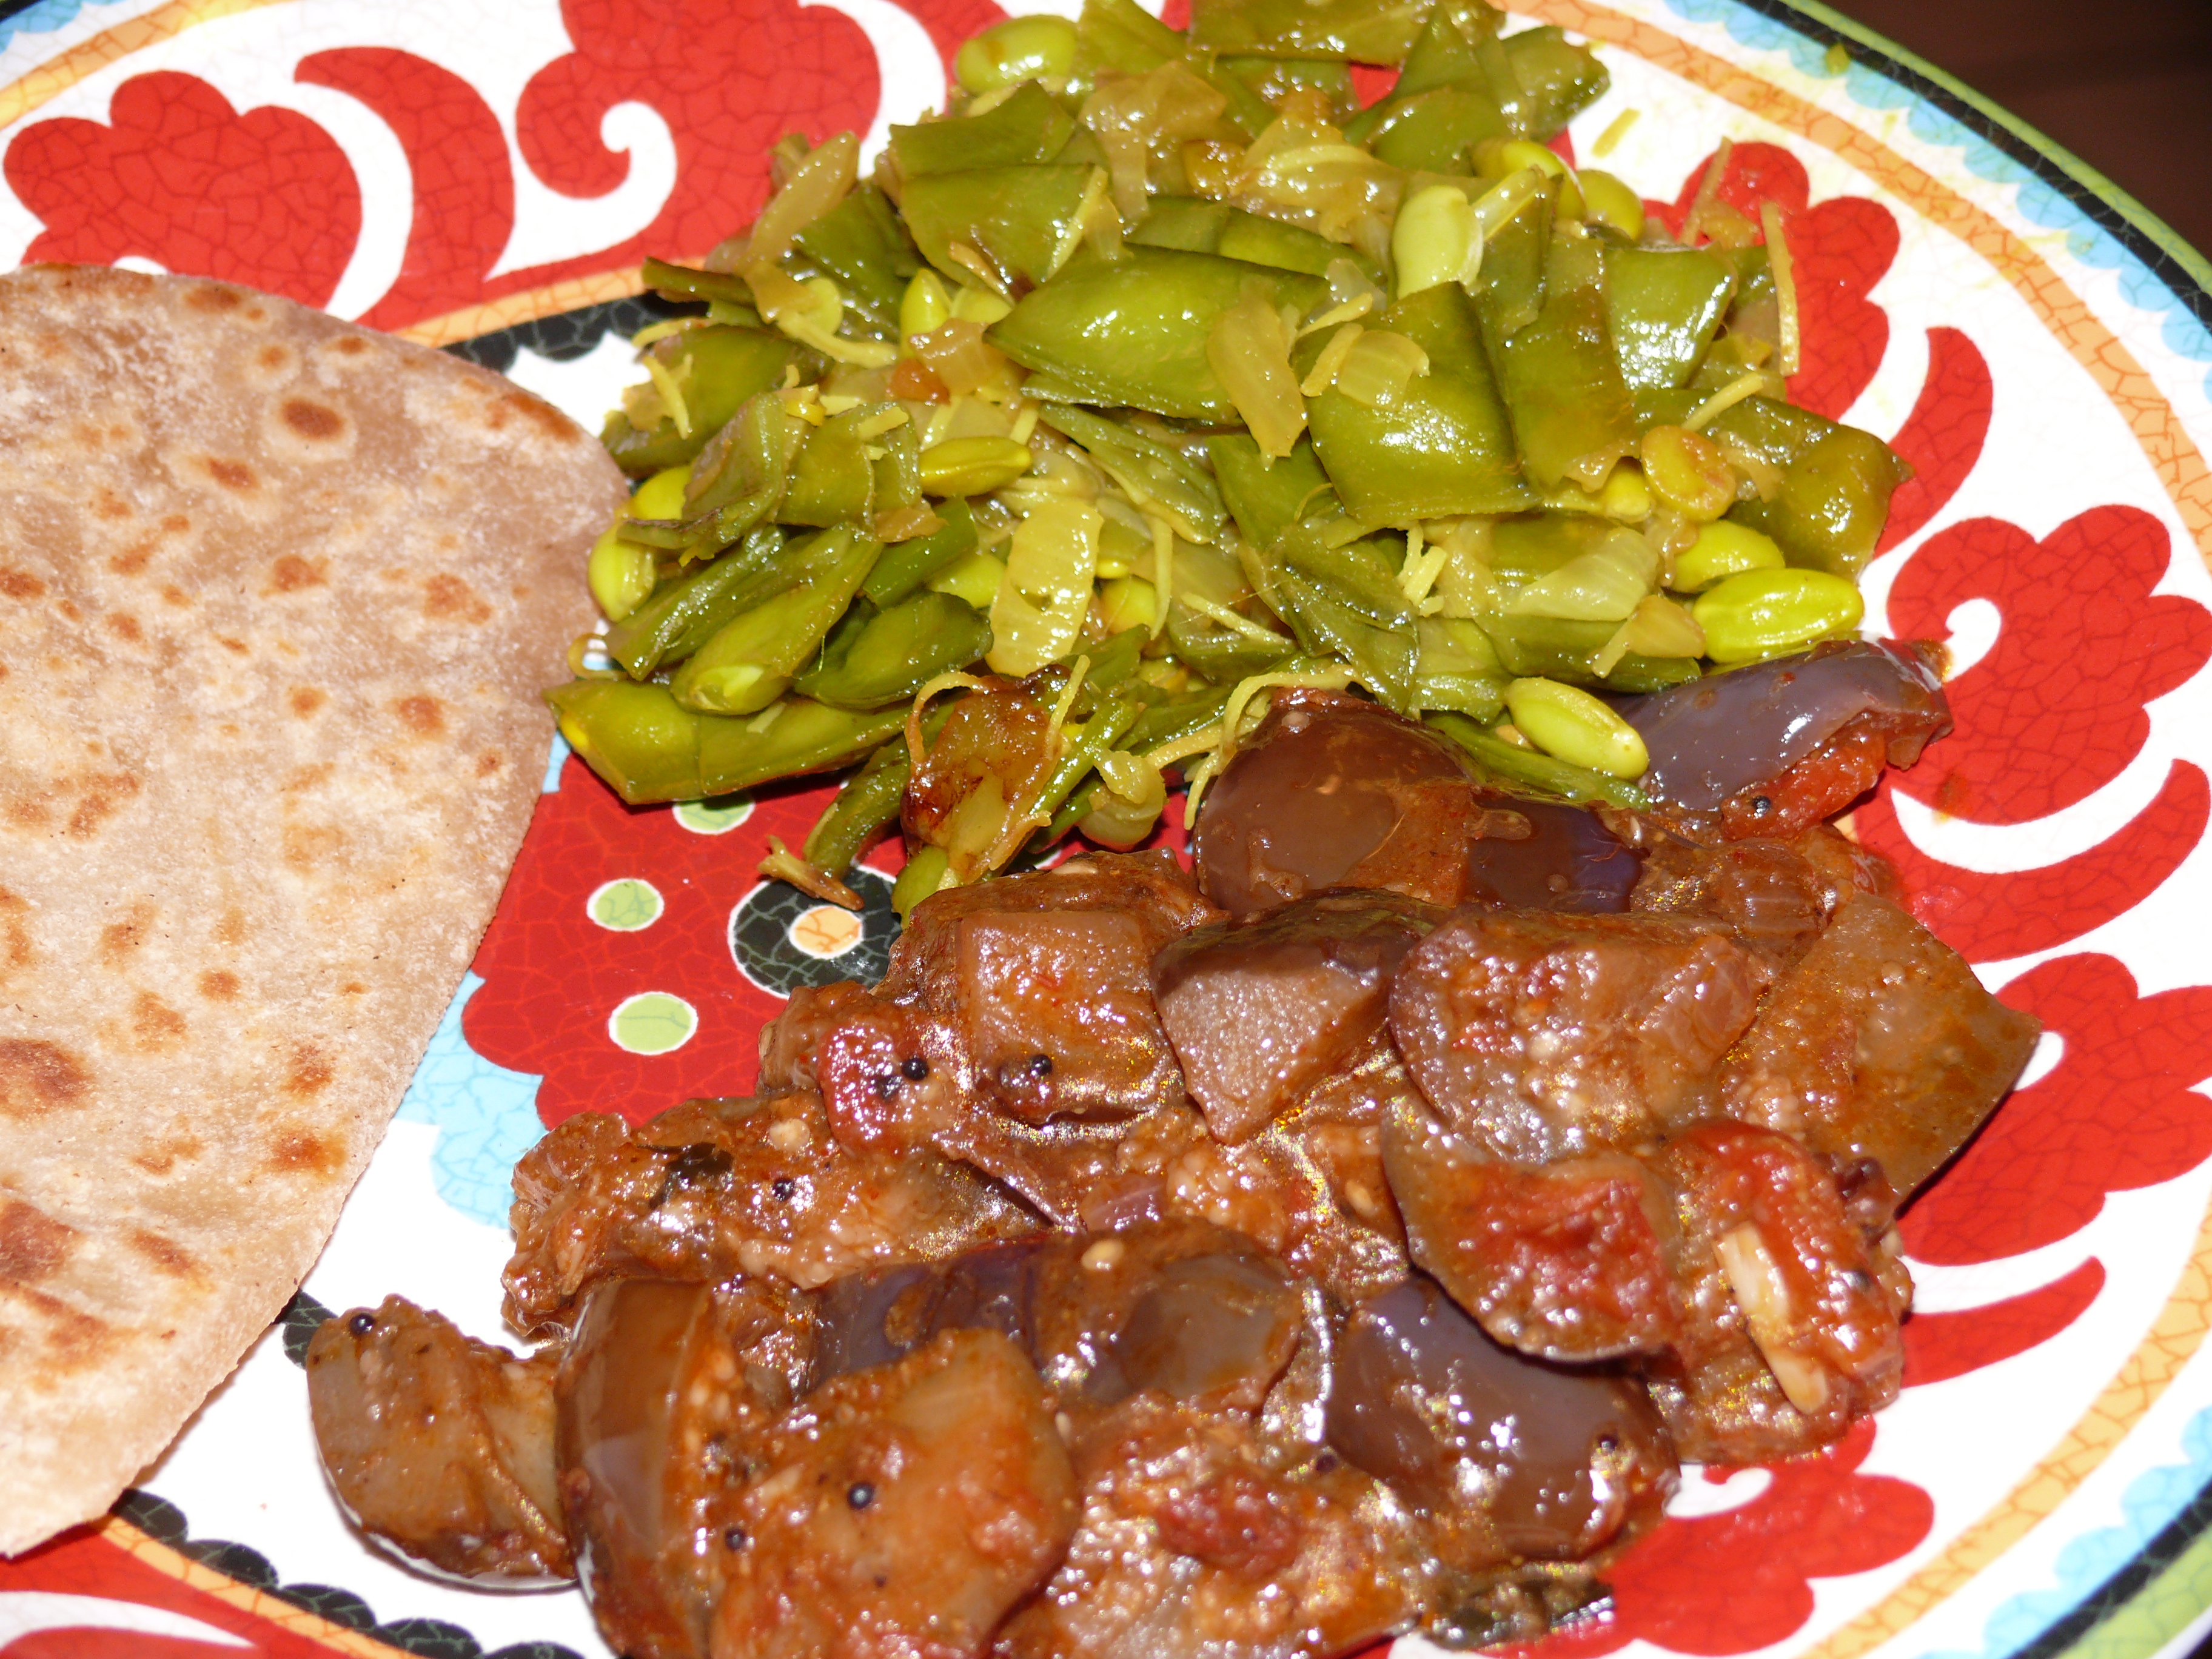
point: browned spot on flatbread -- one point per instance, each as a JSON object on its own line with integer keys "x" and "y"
{"x": 424, "y": 716}
{"x": 38, "y": 1077}
{"x": 302, "y": 1151}
{"x": 104, "y": 793}
{"x": 173, "y": 594}
{"x": 171, "y": 1257}
{"x": 307, "y": 845}
{"x": 69, "y": 1336}
{"x": 305, "y": 778}
{"x": 14, "y": 932}
{"x": 353, "y": 988}
{"x": 309, "y": 1070}
{"x": 119, "y": 940}
{"x": 33, "y": 1244}
{"x": 317, "y": 422}
{"x": 219, "y": 985}
{"x": 230, "y": 929}
{"x": 233, "y": 475}
{"x": 21, "y": 585}
{"x": 127, "y": 626}
{"x": 291, "y": 573}
{"x": 487, "y": 763}
{"x": 159, "y": 1160}
{"x": 306, "y": 698}
{"x": 109, "y": 505}
{"x": 448, "y": 599}
{"x": 155, "y": 1025}
{"x": 134, "y": 558}
{"x": 215, "y": 300}
{"x": 238, "y": 646}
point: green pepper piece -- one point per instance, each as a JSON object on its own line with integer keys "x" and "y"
{"x": 1443, "y": 445}
{"x": 1774, "y": 432}
{"x": 1112, "y": 662}
{"x": 897, "y": 469}
{"x": 1122, "y": 35}
{"x": 1525, "y": 769}
{"x": 718, "y": 368}
{"x": 1222, "y": 655}
{"x": 1532, "y": 545}
{"x": 1561, "y": 376}
{"x": 832, "y": 479}
{"x": 651, "y": 748}
{"x": 683, "y": 615}
{"x": 1458, "y": 669}
{"x": 1384, "y": 659}
{"x": 861, "y": 243}
{"x": 1133, "y": 330}
{"x": 1152, "y": 473}
{"x": 1362, "y": 30}
{"x": 873, "y": 659}
{"x": 1554, "y": 649}
{"x": 752, "y": 657}
{"x": 1833, "y": 503}
{"x": 905, "y": 566}
{"x": 1265, "y": 80}
{"x": 1509, "y": 291}
{"x": 1248, "y": 112}
{"x": 1664, "y": 304}
{"x": 1444, "y": 53}
{"x": 1020, "y": 218}
{"x": 1432, "y": 131}
{"x": 1030, "y": 126}
{"x": 1557, "y": 81}
{"x": 683, "y": 283}
{"x": 863, "y": 810}
{"x": 1198, "y": 227}
{"x": 1268, "y": 497}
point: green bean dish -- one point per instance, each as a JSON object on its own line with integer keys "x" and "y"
{"x": 1156, "y": 375}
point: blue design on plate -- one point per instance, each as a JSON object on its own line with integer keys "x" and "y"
{"x": 42, "y": 18}
{"x": 554, "y": 762}
{"x": 486, "y": 1116}
{"x": 2042, "y": 203}
{"x": 2148, "y": 1508}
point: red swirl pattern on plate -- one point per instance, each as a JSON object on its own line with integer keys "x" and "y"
{"x": 177, "y": 176}
{"x": 1741, "y": 1579}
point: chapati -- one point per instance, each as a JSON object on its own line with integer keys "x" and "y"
{"x": 278, "y": 596}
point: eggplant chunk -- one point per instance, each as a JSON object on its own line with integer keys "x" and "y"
{"x": 1260, "y": 1012}
{"x": 657, "y": 1380}
{"x": 1333, "y": 790}
{"x": 440, "y": 1447}
{"x": 902, "y": 1509}
{"x": 1881, "y": 1044}
{"x": 1534, "y": 1462}
{"x": 1773, "y": 748}
{"x": 1760, "y": 1295}
{"x": 1552, "y": 1035}
{"x": 1569, "y": 860}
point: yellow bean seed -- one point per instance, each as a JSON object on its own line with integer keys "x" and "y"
{"x": 1569, "y": 724}
{"x": 1606, "y": 201}
{"x": 1626, "y": 497}
{"x": 1724, "y": 550}
{"x": 1434, "y": 240}
{"x": 1768, "y": 613}
{"x": 1126, "y": 602}
{"x": 620, "y": 574}
{"x": 1019, "y": 49}
{"x": 973, "y": 305}
{"x": 660, "y": 496}
{"x": 925, "y": 307}
{"x": 974, "y": 578}
{"x": 1689, "y": 472}
{"x": 973, "y": 466}
{"x": 1502, "y": 158}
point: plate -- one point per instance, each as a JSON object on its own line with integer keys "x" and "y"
{"x": 486, "y": 175}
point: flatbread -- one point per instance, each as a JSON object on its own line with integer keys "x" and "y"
{"x": 277, "y": 596}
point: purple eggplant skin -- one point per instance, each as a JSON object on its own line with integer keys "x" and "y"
{"x": 1712, "y": 738}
